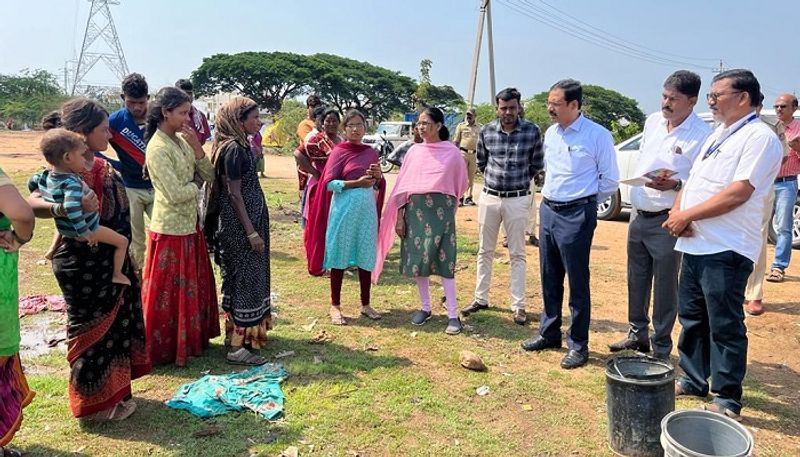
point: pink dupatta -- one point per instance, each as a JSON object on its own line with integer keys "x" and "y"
{"x": 427, "y": 168}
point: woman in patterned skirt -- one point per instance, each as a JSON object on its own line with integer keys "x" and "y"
{"x": 16, "y": 229}
{"x": 105, "y": 328}
{"x": 421, "y": 210}
{"x": 237, "y": 226}
{"x": 179, "y": 295}
{"x": 346, "y": 198}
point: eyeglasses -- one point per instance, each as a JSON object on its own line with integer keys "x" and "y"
{"x": 354, "y": 126}
{"x": 423, "y": 124}
{"x": 780, "y": 106}
{"x": 715, "y": 96}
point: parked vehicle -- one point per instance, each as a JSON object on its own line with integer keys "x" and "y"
{"x": 627, "y": 158}
{"x": 396, "y": 132}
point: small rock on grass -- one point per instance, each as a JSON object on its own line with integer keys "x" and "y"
{"x": 471, "y": 361}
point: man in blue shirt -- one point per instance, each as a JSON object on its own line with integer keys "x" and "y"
{"x": 127, "y": 139}
{"x": 581, "y": 169}
{"x": 509, "y": 155}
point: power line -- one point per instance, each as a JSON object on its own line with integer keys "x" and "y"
{"x": 595, "y": 39}
{"x": 616, "y": 37}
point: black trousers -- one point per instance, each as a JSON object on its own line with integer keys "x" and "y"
{"x": 565, "y": 239}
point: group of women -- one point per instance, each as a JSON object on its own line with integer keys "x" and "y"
{"x": 117, "y": 333}
{"x": 344, "y": 203}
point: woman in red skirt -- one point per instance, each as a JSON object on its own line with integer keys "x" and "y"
{"x": 179, "y": 294}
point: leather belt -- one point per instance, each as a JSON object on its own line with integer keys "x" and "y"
{"x": 786, "y": 179}
{"x": 556, "y": 206}
{"x": 507, "y": 194}
{"x": 468, "y": 151}
{"x": 653, "y": 213}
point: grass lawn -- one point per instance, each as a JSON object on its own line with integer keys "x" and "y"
{"x": 381, "y": 388}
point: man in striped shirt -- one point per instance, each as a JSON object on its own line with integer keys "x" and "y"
{"x": 786, "y": 187}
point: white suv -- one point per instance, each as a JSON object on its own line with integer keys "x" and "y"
{"x": 627, "y": 157}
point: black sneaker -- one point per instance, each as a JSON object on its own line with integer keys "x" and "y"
{"x": 420, "y": 317}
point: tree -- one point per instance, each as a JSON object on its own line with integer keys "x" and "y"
{"x": 599, "y": 104}
{"x": 427, "y": 94}
{"x": 622, "y": 132}
{"x": 605, "y": 105}
{"x": 536, "y": 111}
{"x": 268, "y": 78}
{"x": 28, "y": 96}
{"x": 350, "y": 84}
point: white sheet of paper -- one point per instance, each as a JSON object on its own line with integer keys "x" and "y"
{"x": 645, "y": 173}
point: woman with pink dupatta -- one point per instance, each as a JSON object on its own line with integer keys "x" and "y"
{"x": 421, "y": 210}
{"x": 343, "y": 219}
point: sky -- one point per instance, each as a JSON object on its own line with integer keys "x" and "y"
{"x": 535, "y": 45}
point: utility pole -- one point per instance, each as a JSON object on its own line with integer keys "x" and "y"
{"x": 476, "y": 55}
{"x": 721, "y": 67}
{"x": 490, "y": 43}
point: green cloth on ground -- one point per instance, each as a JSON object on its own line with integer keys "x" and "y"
{"x": 257, "y": 389}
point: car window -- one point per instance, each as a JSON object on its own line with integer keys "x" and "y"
{"x": 633, "y": 145}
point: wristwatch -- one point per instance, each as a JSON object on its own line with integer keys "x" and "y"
{"x": 678, "y": 186}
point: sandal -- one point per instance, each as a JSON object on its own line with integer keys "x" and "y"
{"x": 370, "y": 313}
{"x": 118, "y": 412}
{"x": 244, "y": 357}
{"x": 336, "y": 316}
{"x": 6, "y": 452}
{"x": 776, "y": 275}
{"x": 719, "y": 409}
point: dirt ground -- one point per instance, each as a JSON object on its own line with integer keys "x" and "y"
{"x": 774, "y": 336}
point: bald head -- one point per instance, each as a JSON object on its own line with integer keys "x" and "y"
{"x": 785, "y": 106}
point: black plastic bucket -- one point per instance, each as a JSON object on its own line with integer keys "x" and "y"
{"x": 640, "y": 391}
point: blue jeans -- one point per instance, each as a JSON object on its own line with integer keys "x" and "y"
{"x": 713, "y": 341}
{"x": 785, "y": 197}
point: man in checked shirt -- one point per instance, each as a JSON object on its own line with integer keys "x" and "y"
{"x": 509, "y": 155}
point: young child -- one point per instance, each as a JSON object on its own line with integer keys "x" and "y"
{"x": 65, "y": 151}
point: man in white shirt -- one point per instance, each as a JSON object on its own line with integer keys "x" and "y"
{"x": 674, "y": 136}
{"x": 581, "y": 169}
{"x": 720, "y": 239}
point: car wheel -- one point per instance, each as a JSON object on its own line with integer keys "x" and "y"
{"x": 610, "y": 208}
{"x": 772, "y": 236}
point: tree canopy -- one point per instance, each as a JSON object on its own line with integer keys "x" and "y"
{"x": 599, "y": 104}
{"x": 26, "y": 97}
{"x": 268, "y": 78}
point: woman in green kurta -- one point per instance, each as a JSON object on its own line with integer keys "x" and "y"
{"x": 16, "y": 229}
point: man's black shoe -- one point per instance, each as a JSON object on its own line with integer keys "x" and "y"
{"x": 473, "y": 307}
{"x": 538, "y": 343}
{"x": 629, "y": 343}
{"x": 533, "y": 241}
{"x": 574, "y": 359}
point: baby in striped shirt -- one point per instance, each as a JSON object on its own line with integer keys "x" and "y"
{"x": 66, "y": 152}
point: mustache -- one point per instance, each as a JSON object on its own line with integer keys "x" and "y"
{"x": 552, "y": 113}
{"x": 664, "y": 108}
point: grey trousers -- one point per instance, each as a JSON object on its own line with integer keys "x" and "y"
{"x": 653, "y": 265}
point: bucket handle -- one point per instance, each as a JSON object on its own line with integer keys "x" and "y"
{"x": 619, "y": 372}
